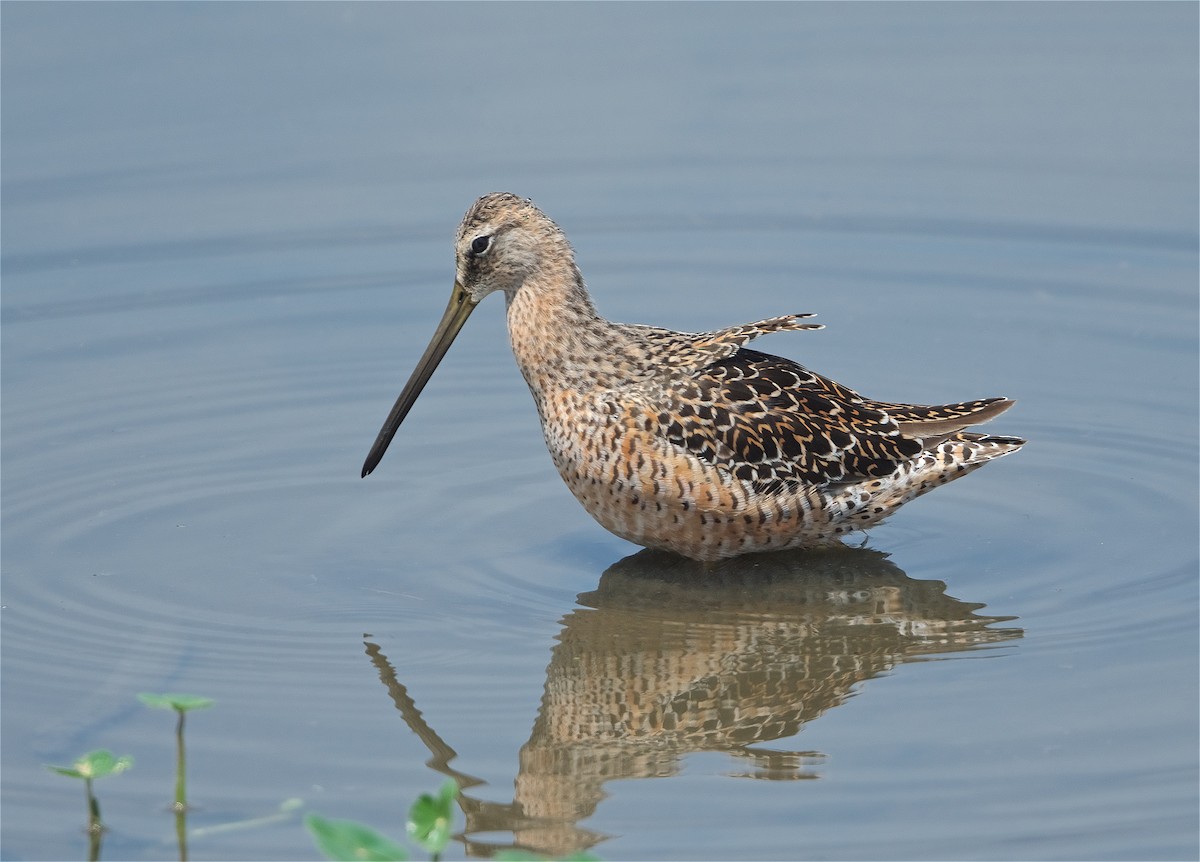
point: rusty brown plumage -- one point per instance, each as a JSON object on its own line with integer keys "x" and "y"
{"x": 691, "y": 442}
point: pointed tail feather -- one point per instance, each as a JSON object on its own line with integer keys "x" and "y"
{"x": 936, "y": 423}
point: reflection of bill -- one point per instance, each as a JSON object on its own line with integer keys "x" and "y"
{"x": 667, "y": 656}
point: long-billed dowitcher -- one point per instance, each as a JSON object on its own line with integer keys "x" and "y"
{"x": 689, "y": 441}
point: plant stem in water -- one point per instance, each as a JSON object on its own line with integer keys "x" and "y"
{"x": 95, "y": 827}
{"x": 180, "y": 789}
{"x": 180, "y": 766}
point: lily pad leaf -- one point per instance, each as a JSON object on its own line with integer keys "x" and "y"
{"x": 177, "y": 702}
{"x": 95, "y": 764}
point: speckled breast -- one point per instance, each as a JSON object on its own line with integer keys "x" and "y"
{"x": 642, "y": 488}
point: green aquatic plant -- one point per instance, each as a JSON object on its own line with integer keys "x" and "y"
{"x": 89, "y": 767}
{"x": 349, "y": 840}
{"x": 93, "y": 765}
{"x": 182, "y": 704}
{"x": 430, "y": 819}
{"x": 287, "y": 810}
{"x": 429, "y": 822}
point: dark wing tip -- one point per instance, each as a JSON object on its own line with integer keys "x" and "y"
{"x": 1003, "y": 440}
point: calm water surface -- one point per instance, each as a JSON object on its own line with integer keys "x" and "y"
{"x": 226, "y": 237}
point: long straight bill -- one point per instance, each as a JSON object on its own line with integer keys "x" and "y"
{"x": 460, "y": 308}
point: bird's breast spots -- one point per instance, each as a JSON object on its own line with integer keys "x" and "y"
{"x": 581, "y": 411}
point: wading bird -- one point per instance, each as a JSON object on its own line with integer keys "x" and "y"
{"x": 691, "y": 442}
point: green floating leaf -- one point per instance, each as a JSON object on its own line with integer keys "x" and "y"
{"x": 177, "y": 702}
{"x": 95, "y": 764}
{"x": 349, "y": 841}
{"x": 430, "y": 818}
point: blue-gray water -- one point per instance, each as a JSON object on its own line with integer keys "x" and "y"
{"x": 226, "y": 237}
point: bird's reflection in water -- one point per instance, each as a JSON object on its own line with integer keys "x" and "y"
{"x": 667, "y": 657}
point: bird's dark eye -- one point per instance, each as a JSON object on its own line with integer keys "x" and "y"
{"x": 480, "y": 244}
